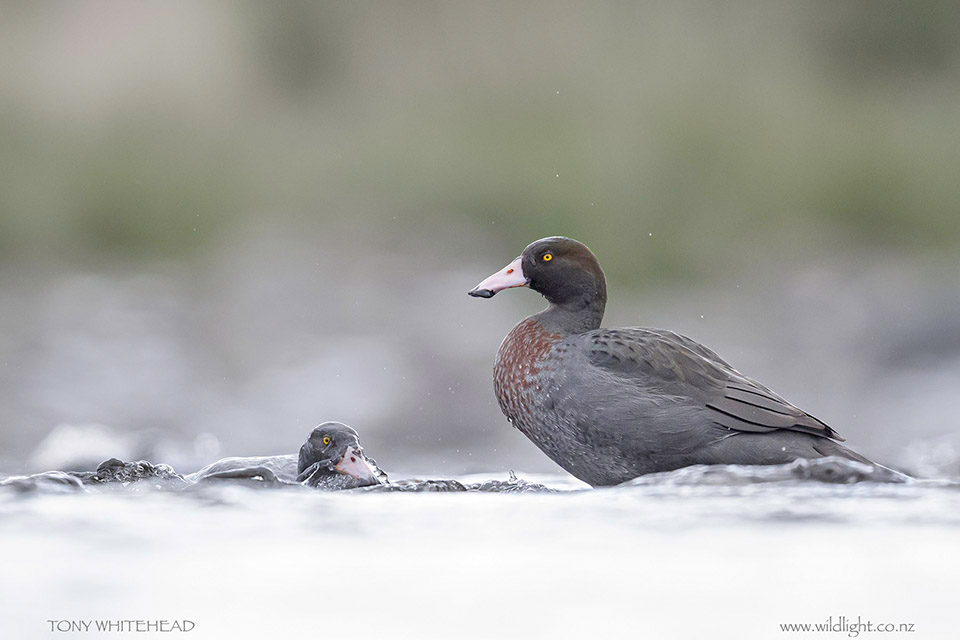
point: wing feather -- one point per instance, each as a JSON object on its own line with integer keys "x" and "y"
{"x": 671, "y": 361}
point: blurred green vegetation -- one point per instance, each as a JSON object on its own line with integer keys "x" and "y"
{"x": 723, "y": 131}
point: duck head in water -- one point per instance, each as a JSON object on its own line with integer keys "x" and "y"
{"x": 332, "y": 455}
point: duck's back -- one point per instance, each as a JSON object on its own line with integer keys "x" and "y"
{"x": 282, "y": 468}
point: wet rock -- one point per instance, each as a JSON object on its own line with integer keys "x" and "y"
{"x": 125, "y": 473}
{"x": 831, "y": 470}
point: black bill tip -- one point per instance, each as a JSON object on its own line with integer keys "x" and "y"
{"x": 481, "y": 293}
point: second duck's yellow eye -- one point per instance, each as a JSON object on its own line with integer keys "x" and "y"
{"x": 326, "y": 440}
{"x": 547, "y": 257}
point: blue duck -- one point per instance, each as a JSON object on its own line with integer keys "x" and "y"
{"x": 609, "y": 405}
{"x": 330, "y": 459}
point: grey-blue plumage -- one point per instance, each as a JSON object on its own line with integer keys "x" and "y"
{"x": 331, "y": 459}
{"x": 609, "y": 405}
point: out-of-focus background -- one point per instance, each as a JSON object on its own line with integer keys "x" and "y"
{"x": 223, "y": 222}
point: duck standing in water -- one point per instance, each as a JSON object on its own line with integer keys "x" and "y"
{"x": 609, "y": 405}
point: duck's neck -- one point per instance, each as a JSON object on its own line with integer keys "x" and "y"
{"x": 573, "y": 316}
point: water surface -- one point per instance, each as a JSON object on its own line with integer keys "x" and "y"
{"x": 686, "y": 554}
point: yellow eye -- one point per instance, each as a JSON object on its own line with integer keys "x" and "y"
{"x": 326, "y": 440}
{"x": 547, "y": 257}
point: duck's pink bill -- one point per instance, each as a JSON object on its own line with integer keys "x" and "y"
{"x": 507, "y": 278}
{"x": 356, "y": 466}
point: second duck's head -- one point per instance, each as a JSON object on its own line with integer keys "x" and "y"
{"x": 333, "y": 449}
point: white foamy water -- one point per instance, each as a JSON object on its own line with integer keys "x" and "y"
{"x": 678, "y": 557}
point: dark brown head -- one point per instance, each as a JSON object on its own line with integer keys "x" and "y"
{"x": 561, "y": 269}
